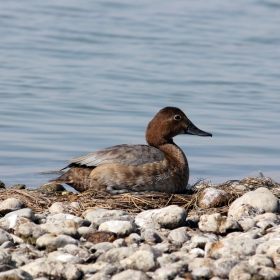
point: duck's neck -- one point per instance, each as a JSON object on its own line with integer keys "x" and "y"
{"x": 173, "y": 154}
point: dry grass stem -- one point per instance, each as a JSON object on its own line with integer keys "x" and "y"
{"x": 134, "y": 203}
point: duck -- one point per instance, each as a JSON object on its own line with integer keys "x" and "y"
{"x": 160, "y": 166}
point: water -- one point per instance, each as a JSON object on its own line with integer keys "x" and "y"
{"x": 77, "y": 77}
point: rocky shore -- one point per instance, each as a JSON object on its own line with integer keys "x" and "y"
{"x": 67, "y": 240}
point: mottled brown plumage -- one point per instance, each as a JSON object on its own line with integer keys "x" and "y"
{"x": 162, "y": 166}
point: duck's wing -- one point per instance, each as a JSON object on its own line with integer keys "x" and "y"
{"x": 125, "y": 154}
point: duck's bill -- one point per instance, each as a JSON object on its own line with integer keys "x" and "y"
{"x": 193, "y": 130}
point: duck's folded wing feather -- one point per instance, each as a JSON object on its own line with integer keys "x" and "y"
{"x": 125, "y": 154}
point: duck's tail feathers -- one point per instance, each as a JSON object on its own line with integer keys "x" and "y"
{"x": 78, "y": 178}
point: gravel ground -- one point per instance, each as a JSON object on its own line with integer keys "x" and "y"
{"x": 165, "y": 243}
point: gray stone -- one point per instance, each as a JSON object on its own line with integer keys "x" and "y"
{"x": 102, "y": 246}
{"x": 156, "y": 252}
{"x": 18, "y": 187}
{"x": 7, "y": 244}
{"x": 141, "y": 260}
{"x": 269, "y": 248}
{"x": 51, "y": 188}
{"x": 17, "y": 240}
{"x": 197, "y": 263}
{"x": 63, "y": 257}
{"x": 5, "y": 236}
{"x": 86, "y": 269}
{"x": 76, "y": 204}
{"x": 25, "y": 212}
{"x": 267, "y": 216}
{"x": 179, "y": 235}
{"x": 10, "y": 204}
{"x": 99, "y": 216}
{"x": 130, "y": 274}
{"x": 212, "y": 197}
{"x": 170, "y": 217}
{"x": 120, "y": 242}
{"x": 58, "y": 229}
{"x": 51, "y": 242}
{"x": 13, "y": 219}
{"x": 199, "y": 240}
{"x": 19, "y": 259}
{"x": 85, "y": 230}
{"x": 276, "y": 261}
{"x": 261, "y": 198}
{"x": 58, "y": 207}
{"x": 238, "y": 247}
{"x": 197, "y": 253}
{"x": 52, "y": 270}
{"x": 41, "y": 218}
{"x": 106, "y": 272}
{"x": 163, "y": 247}
{"x": 253, "y": 233}
{"x": 5, "y": 257}
{"x": 270, "y": 273}
{"x": 116, "y": 254}
{"x": 167, "y": 259}
{"x": 165, "y": 273}
{"x": 218, "y": 224}
{"x": 133, "y": 239}
{"x": 15, "y": 274}
{"x": 103, "y": 275}
{"x": 25, "y": 253}
{"x": 151, "y": 235}
{"x": 202, "y": 273}
{"x": 67, "y": 220}
{"x": 259, "y": 261}
{"x": 242, "y": 270}
{"x": 29, "y": 232}
{"x": 192, "y": 221}
{"x": 230, "y": 225}
{"x": 265, "y": 224}
{"x": 241, "y": 188}
{"x": 121, "y": 228}
{"x": 2, "y": 185}
{"x": 76, "y": 251}
{"x": 211, "y": 223}
{"x": 223, "y": 266}
{"x": 246, "y": 223}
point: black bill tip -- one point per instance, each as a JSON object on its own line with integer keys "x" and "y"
{"x": 193, "y": 130}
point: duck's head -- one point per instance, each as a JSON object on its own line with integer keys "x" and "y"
{"x": 169, "y": 122}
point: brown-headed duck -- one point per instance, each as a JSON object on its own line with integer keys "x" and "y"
{"x": 160, "y": 166}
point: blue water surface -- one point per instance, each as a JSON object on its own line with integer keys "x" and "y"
{"x": 80, "y": 76}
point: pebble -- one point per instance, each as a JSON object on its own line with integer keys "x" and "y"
{"x": 130, "y": 274}
{"x": 52, "y": 188}
{"x": 179, "y": 235}
{"x": 218, "y": 224}
{"x": 121, "y": 228}
{"x": 52, "y": 270}
{"x": 16, "y": 274}
{"x": 261, "y": 198}
{"x": 58, "y": 207}
{"x": 52, "y": 242}
{"x": 155, "y": 244}
{"x": 10, "y": 204}
{"x": 212, "y": 197}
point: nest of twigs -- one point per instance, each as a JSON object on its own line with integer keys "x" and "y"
{"x": 40, "y": 201}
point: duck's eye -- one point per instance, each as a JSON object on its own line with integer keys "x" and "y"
{"x": 177, "y": 118}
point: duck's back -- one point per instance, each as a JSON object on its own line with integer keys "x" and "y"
{"x": 126, "y": 154}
